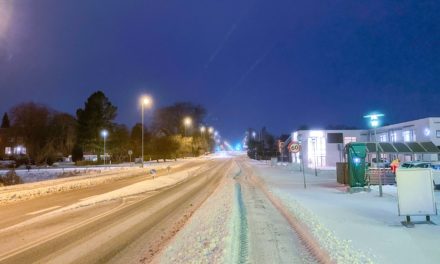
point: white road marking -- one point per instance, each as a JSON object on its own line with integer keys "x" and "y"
{"x": 44, "y": 210}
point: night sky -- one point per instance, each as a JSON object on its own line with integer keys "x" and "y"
{"x": 250, "y": 63}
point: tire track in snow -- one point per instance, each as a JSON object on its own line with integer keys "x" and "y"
{"x": 242, "y": 232}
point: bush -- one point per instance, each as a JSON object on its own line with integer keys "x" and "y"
{"x": 10, "y": 178}
{"x": 77, "y": 153}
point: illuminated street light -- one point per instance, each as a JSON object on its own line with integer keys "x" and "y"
{"x": 374, "y": 123}
{"x": 104, "y": 134}
{"x": 211, "y": 130}
{"x": 146, "y": 102}
{"x": 202, "y": 129}
{"x": 187, "y": 122}
{"x": 254, "y": 134}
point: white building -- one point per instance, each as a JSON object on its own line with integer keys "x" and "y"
{"x": 421, "y": 130}
{"x": 324, "y": 148}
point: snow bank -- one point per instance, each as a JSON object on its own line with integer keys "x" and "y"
{"x": 135, "y": 189}
{"x": 51, "y": 173}
{"x": 206, "y": 237}
{"x": 28, "y": 191}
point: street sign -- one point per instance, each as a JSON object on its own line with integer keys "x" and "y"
{"x": 294, "y": 147}
{"x": 130, "y": 152}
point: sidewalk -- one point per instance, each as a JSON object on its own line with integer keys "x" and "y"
{"x": 359, "y": 227}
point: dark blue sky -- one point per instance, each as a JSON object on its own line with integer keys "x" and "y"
{"x": 251, "y": 63}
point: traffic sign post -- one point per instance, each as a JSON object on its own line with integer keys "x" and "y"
{"x": 295, "y": 147}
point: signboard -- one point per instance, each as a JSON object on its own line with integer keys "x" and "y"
{"x": 415, "y": 192}
{"x": 294, "y": 147}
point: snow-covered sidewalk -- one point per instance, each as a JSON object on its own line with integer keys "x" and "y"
{"x": 354, "y": 228}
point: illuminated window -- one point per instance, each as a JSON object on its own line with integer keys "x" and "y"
{"x": 349, "y": 139}
{"x": 393, "y": 136}
{"x": 437, "y": 133}
{"x": 19, "y": 150}
{"x": 316, "y": 152}
{"x": 408, "y": 135}
{"x": 383, "y": 138}
{"x": 8, "y": 151}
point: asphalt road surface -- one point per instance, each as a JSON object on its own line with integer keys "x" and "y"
{"x": 129, "y": 229}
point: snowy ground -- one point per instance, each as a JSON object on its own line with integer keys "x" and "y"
{"x": 207, "y": 237}
{"x": 354, "y": 228}
{"x": 27, "y": 191}
{"x": 50, "y": 173}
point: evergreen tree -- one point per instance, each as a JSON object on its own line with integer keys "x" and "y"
{"x": 5, "y": 121}
{"x": 98, "y": 113}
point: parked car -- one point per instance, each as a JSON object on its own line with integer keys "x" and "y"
{"x": 415, "y": 164}
{"x": 435, "y": 166}
{"x": 383, "y": 163}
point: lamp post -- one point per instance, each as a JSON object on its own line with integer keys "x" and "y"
{"x": 104, "y": 134}
{"x": 187, "y": 121}
{"x": 146, "y": 102}
{"x": 374, "y": 122}
{"x": 202, "y": 130}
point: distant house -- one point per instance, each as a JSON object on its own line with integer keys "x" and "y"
{"x": 10, "y": 144}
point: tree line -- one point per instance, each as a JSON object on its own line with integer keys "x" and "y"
{"x": 50, "y": 135}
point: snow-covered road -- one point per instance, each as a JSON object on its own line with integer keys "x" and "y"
{"x": 238, "y": 224}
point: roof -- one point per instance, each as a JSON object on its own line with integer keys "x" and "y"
{"x": 402, "y": 147}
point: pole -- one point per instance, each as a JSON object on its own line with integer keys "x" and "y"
{"x": 142, "y": 159}
{"x": 314, "y": 150}
{"x": 104, "y": 150}
{"x": 377, "y": 163}
{"x": 303, "y": 171}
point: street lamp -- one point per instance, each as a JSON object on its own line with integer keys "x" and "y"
{"x": 104, "y": 134}
{"x": 187, "y": 121}
{"x": 374, "y": 122}
{"x": 211, "y": 130}
{"x": 202, "y": 129}
{"x": 146, "y": 102}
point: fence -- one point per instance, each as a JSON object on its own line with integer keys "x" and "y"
{"x": 372, "y": 176}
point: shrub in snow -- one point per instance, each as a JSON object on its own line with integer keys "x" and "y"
{"x": 10, "y": 178}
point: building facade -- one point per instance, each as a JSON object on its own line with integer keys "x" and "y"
{"x": 324, "y": 148}
{"x": 421, "y": 130}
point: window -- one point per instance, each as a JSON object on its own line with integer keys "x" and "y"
{"x": 407, "y": 136}
{"x": 383, "y": 138}
{"x": 349, "y": 140}
{"x": 393, "y": 136}
{"x": 437, "y": 133}
{"x": 316, "y": 152}
{"x": 8, "y": 151}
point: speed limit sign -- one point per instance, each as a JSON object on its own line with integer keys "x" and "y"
{"x": 294, "y": 147}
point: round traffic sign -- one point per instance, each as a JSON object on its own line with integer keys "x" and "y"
{"x": 294, "y": 147}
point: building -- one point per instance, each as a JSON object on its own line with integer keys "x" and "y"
{"x": 10, "y": 145}
{"x": 421, "y": 130}
{"x": 323, "y": 148}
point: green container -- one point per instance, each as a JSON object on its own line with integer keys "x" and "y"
{"x": 356, "y": 154}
